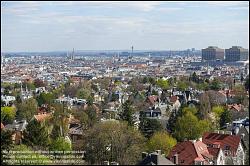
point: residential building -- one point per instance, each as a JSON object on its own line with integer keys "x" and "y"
{"x": 230, "y": 145}
{"x": 155, "y": 158}
{"x": 17, "y": 127}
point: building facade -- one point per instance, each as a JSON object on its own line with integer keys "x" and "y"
{"x": 236, "y": 53}
{"x": 213, "y": 53}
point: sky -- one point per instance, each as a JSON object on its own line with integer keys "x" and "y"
{"x": 106, "y": 25}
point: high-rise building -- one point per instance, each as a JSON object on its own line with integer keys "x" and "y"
{"x": 212, "y": 53}
{"x": 236, "y": 53}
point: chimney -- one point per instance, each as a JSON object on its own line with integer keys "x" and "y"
{"x": 106, "y": 163}
{"x": 144, "y": 154}
{"x": 176, "y": 159}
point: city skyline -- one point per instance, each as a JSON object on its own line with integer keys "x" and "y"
{"x": 61, "y": 26}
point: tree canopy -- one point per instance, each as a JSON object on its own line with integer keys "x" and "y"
{"x": 161, "y": 141}
{"x": 113, "y": 141}
{"x": 7, "y": 114}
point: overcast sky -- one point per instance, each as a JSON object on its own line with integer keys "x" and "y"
{"x": 60, "y": 26}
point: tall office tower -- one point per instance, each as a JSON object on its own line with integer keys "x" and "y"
{"x": 212, "y": 53}
{"x": 236, "y": 53}
{"x": 73, "y": 54}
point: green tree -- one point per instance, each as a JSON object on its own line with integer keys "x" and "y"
{"x": 83, "y": 93}
{"x": 127, "y": 113}
{"x": 45, "y": 98}
{"x": 161, "y": 141}
{"x": 36, "y": 134}
{"x": 92, "y": 115}
{"x": 30, "y": 157}
{"x": 181, "y": 85}
{"x": 226, "y": 117}
{"x": 27, "y": 109}
{"x": 7, "y": 114}
{"x": 162, "y": 84}
{"x": 188, "y": 126}
{"x": 113, "y": 141}
{"x": 215, "y": 84}
{"x": 6, "y": 144}
{"x": 149, "y": 126}
{"x": 60, "y": 144}
{"x": 246, "y": 84}
{"x": 59, "y": 121}
{"x": 217, "y": 110}
{"x": 240, "y": 93}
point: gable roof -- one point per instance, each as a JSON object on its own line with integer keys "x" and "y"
{"x": 232, "y": 141}
{"x": 237, "y": 107}
{"x": 17, "y": 125}
{"x": 173, "y": 99}
{"x": 155, "y": 159}
{"x": 152, "y": 99}
{"x": 188, "y": 152}
{"x": 41, "y": 117}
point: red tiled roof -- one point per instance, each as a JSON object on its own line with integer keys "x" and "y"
{"x": 152, "y": 99}
{"x": 173, "y": 99}
{"x": 42, "y": 117}
{"x": 232, "y": 141}
{"x": 237, "y": 107}
{"x": 213, "y": 151}
{"x": 189, "y": 152}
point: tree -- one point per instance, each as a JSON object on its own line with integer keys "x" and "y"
{"x": 246, "y": 84}
{"x": 60, "y": 144}
{"x": 59, "y": 121}
{"x": 240, "y": 93}
{"x": 162, "y": 84}
{"x": 215, "y": 84}
{"x": 204, "y": 107}
{"x": 6, "y": 144}
{"x": 83, "y": 93}
{"x": 36, "y": 134}
{"x": 39, "y": 83}
{"x": 127, "y": 113}
{"x": 194, "y": 78}
{"x": 27, "y": 109}
{"x": 226, "y": 117}
{"x": 113, "y": 141}
{"x": 92, "y": 115}
{"x": 188, "y": 126}
{"x": 149, "y": 126}
{"x": 31, "y": 157}
{"x": 247, "y": 157}
{"x": 181, "y": 85}
{"x": 217, "y": 110}
{"x": 7, "y": 114}
{"x": 193, "y": 110}
{"x": 45, "y": 98}
{"x": 161, "y": 141}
